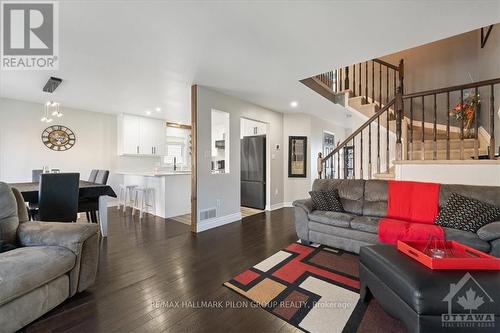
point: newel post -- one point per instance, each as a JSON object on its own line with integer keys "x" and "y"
{"x": 399, "y": 112}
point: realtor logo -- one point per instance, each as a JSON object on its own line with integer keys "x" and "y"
{"x": 29, "y": 35}
{"x": 469, "y": 305}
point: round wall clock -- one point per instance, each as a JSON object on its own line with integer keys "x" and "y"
{"x": 58, "y": 138}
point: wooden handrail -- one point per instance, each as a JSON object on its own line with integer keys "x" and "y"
{"x": 453, "y": 88}
{"x": 361, "y": 128}
{"x": 384, "y": 63}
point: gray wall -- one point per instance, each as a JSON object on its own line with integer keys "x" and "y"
{"x": 226, "y": 187}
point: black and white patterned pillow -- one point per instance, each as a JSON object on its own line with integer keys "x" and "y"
{"x": 318, "y": 200}
{"x": 326, "y": 201}
{"x": 333, "y": 199}
{"x": 466, "y": 214}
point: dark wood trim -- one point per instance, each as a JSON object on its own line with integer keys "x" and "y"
{"x": 484, "y": 38}
{"x": 194, "y": 159}
{"x": 386, "y": 64}
{"x": 453, "y": 88}
{"x": 177, "y": 125}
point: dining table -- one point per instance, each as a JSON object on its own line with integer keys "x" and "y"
{"x": 87, "y": 191}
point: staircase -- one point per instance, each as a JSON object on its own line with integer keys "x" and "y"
{"x": 396, "y": 128}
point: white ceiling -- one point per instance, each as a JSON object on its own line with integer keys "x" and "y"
{"x": 119, "y": 56}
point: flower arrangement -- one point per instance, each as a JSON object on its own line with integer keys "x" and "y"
{"x": 465, "y": 111}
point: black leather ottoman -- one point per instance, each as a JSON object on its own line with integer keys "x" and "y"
{"x": 428, "y": 300}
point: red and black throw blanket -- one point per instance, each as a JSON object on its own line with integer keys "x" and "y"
{"x": 412, "y": 208}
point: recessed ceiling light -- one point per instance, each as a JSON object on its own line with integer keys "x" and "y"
{"x": 294, "y": 104}
{"x": 148, "y": 112}
{"x": 158, "y": 109}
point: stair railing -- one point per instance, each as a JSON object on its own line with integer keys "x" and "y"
{"x": 340, "y": 163}
{"x": 337, "y": 164}
{"x": 469, "y": 106}
{"x": 376, "y": 80}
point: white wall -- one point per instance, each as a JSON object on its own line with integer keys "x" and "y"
{"x": 222, "y": 191}
{"x": 482, "y": 172}
{"x": 21, "y": 147}
{"x": 250, "y": 127}
{"x": 312, "y": 127}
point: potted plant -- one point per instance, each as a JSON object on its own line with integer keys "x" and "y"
{"x": 465, "y": 112}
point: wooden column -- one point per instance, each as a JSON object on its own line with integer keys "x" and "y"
{"x": 194, "y": 164}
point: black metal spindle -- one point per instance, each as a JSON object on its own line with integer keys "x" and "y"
{"x": 340, "y": 79}
{"x": 359, "y": 81}
{"x": 361, "y": 173}
{"x": 411, "y": 130}
{"x": 434, "y": 142}
{"x": 492, "y": 123}
{"x": 366, "y": 82}
{"x": 370, "y": 151}
{"x": 422, "y": 148}
{"x": 378, "y": 144}
{"x": 476, "y": 126}
{"x": 387, "y": 85}
{"x": 448, "y": 125}
{"x": 354, "y": 80}
{"x": 394, "y": 82}
{"x": 338, "y": 164}
{"x": 462, "y": 125}
{"x": 373, "y": 81}
{"x": 380, "y": 87}
{"x": 354, "y": 153}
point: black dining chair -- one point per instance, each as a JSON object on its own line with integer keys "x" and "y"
{"x": 58, "y": 197}
{"x": 102, "y": 177}
{"x": 35, "y": 175}
{"x": 93, "y": 175}
{"x": 91, "y": 207}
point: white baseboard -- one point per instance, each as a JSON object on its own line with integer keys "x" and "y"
{"x": 218, "y": 221}
{"x": 485, "y": 135}
{"x": 279, "y": 206}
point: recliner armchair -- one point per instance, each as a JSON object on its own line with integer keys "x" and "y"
{"x": 53, "y": 262}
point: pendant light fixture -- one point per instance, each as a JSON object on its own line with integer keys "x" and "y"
{"x": 51, "y": 108}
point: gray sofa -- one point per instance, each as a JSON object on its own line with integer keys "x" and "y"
{"x": 365, "y": 203}
{"x": 53, "y": 261}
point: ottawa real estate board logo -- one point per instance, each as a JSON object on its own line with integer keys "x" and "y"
{"x": 29, "y": 36}
{"x": 469, "y": 306}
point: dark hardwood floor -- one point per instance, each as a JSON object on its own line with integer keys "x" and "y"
{"x": 146, "y": 266}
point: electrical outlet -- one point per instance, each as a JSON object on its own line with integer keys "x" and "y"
{"x": 275, "y": 191}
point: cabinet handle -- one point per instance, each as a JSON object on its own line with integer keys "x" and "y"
{"x": 137, "y": 149}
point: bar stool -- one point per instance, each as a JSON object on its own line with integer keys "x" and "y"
{"x": 125, "y": 195}
{"x": 144, "y": 200}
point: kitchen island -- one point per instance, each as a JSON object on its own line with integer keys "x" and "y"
{"x": 172, "y": 190}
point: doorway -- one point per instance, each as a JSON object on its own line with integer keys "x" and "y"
{"x": 253, "y": 166}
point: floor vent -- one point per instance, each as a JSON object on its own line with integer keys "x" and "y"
{"x": 208, "y": 214}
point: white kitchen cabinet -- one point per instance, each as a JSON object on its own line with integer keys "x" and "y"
{"x": 141, "y": 136}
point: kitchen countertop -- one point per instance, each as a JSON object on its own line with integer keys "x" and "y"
{"x": 153, "y": 174}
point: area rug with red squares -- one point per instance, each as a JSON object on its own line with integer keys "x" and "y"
{"x": 314, "y": 288}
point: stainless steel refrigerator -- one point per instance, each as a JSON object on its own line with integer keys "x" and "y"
{"x": 253, "y": 171}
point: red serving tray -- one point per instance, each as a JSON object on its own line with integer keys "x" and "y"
{"x": 458, "y": 256}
